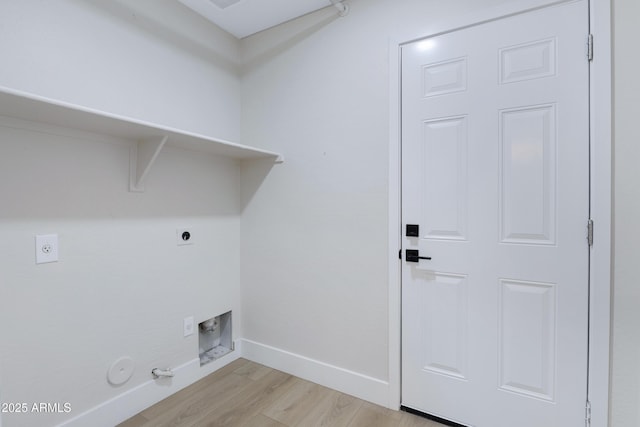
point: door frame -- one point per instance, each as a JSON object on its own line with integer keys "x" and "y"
{"x": 600, "y": 200}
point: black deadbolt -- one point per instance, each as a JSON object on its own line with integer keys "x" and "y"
{"x": 186, "y": 236}
{"x": 413, "y": 230}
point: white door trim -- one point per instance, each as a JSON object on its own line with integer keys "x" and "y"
{"x": 601, "y": 195}
{"x": 601, "y": 209}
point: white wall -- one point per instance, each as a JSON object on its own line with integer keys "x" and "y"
{"x": 149, "y": 59}
{"x": 625, "y": 395}
{"x": 314, "y": 235}
{"x": 122, "y": 286}
{"x": 315, "y": 282}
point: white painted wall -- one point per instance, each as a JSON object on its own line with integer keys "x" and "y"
{"x": 122, "y": 286}
{"x": 314, "y": 237}
{"x": 315, "y": 280}
{"x": 625, "y": 390}
{"x": 153, "y": 60}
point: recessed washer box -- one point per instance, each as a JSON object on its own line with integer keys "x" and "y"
{"x": 215, "y": 338}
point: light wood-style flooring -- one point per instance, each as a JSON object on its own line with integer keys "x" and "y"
{"x": 246, "y": 394}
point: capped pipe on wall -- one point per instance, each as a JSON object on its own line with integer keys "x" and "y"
{"x": 157, "y": 373}
{"x": 343, "y": 9}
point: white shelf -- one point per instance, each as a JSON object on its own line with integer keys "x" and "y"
{"x": 150, "y": 138}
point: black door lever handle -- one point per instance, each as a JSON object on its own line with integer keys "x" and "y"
{"x": 413, "y": 255}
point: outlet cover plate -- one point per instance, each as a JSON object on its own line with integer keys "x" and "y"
{"x": 184, "y": 236}
{"x": 189, "y": 325}
{"x": 46, "y": 248}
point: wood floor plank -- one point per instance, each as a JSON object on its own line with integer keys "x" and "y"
{"x": 262, "y": 421}
{"x": 185, "y": 395}
{"x": 411, "y": 420}
{"x": 370, "y": 415}
{"x": 295, "y": 403}
{"x": 196, "y": 403}
{"x": 247, "y": 394}
{"x": 334, "y": 410}
{"x": 192, "y": 410}
{"x": 137, "y": 421}
{"x": 254, "y": 398}
{"x": 253, "y": 370}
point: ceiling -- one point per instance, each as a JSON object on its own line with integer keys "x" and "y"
{"x": 245, "y": 17}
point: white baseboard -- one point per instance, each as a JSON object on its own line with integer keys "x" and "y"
{"x": 343, "y": 380}
{"x": 137, "y": 399}
{"x": 133, "y": 401}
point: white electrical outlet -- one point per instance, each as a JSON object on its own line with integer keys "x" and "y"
{"x": 184, "y": 236}
{"x": 46, "y": 248}
{"x": 188, "y": 326}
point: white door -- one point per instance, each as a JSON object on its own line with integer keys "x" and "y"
{"x": 495, "y": 172}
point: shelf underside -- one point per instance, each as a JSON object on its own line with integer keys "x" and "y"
{"x": 37, "y": 109}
